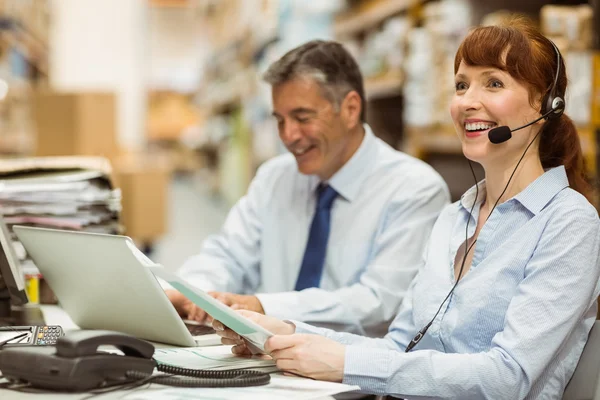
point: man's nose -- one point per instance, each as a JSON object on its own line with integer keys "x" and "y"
{"x": 290, "y": 132}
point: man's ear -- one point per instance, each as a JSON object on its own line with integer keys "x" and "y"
{"x": 351, "y": 108}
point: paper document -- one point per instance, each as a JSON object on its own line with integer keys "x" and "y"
{"x": 280, "y": 388}
{"x": 218, "y": 358}
{"x": 18, "y": 165}
{"x": 255, "y": 334}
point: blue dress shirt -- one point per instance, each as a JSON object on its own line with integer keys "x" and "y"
{"x": 517, "y": 322}
{"x": 386, "y": 208}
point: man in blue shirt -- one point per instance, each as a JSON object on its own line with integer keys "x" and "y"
{"x": 333, "y": 232}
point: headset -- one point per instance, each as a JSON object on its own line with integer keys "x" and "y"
{"x": 553, "y": 107}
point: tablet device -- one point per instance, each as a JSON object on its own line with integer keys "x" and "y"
{"x": 255, "y": 335}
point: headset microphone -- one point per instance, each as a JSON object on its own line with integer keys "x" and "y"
{"x": 501, "y": 134}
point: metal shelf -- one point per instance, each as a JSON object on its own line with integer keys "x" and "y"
{"x": 386, "y": 86}
{"x": 370, "y": 15}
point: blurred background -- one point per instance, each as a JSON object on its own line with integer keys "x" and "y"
{"x": 169, "y": 93}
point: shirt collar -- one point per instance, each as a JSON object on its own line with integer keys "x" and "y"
{"x": 534, "y": 197}
{"x": 539, "y": 193}
{"x": 468, "y": 198}
{"x": 348, "y": 180}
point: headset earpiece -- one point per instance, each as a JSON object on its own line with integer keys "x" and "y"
{"x": 558, "y": 106}
{"x": 554, "y": 102}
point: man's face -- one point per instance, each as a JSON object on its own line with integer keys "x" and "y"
{"x": 310, "y": 128}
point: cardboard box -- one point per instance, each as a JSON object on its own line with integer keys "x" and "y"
{"x": 144, "y": 183}
{"x": 573, "y": 24}
{"x": 82, "y": 123}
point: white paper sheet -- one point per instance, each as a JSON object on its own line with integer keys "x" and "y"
{"x": 280, "y": 388}
{"x": 214, "y": 357}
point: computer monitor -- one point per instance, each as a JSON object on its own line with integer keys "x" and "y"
{"x": 12, "y": 287}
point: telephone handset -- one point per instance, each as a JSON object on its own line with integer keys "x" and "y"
{"x": 76, "y": 364}
{"x": 86, "y": 343}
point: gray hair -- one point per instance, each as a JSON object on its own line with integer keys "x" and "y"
{"x": 326, "y": 62}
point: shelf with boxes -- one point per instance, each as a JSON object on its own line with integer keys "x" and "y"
{"x": 425, "y": 140}
{"x": 240, "y": 36}
{"x": 422, "y": 142}
{"x": 365, "y": 15}
{"x": 374, "y": 31}
{"x": 384, "y": 86}
{"x": 402, "y": 50}
{"x": 223, "y": 145}
{"x": 29, "y": 46}
{"x": 24, "y": 27}
{"x": 84, "y": 124}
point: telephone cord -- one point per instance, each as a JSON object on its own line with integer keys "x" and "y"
{"x": 185, "y": 377}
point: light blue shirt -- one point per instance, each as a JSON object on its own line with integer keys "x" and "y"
{"x": 517, "y": 322}
{"x": 386, "y": 208}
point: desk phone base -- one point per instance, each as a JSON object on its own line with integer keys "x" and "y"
{"x": 31, "y": 335}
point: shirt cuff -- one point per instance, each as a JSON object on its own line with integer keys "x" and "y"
{"x": 367, "y": 368}
{"x": 302, "y": 327}
{"x": 283, "y": 305}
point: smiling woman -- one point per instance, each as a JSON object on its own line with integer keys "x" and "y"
{"x": 509, "y": 76}
{"x": 503, "y": 306}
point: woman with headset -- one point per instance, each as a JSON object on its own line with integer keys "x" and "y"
{"x": 506, "y": 299}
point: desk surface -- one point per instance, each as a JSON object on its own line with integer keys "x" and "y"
{"x": 56, "y": 316}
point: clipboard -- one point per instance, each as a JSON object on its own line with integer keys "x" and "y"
{"x": 255, "y": 335}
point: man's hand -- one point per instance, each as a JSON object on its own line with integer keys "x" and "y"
{"x": 271, "y": 324}
{"x": 239, "y": 301}
{"x": 312, "y": 356}
{"x": 185, "y": 308}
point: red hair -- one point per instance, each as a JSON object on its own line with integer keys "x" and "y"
{"x": 518, "y": 48}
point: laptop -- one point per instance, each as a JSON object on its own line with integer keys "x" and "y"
{"x": 102, "y": 282}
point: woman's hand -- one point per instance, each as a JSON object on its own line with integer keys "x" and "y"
{"x": 272, "y": 324}
{"x": 312, "y": 356}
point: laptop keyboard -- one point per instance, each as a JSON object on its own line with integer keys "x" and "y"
{"x": 199, "y": 330}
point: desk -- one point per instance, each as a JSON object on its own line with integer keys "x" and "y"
{"x": 56, "y": 316}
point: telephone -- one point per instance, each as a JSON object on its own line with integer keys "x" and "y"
{"x": 31, "y": 335}
{"x": 76, "y": 364}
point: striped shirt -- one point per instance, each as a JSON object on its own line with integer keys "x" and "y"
{"x": 517, "y": 322}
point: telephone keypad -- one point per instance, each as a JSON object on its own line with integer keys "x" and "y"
{"x": 48, "y": 335}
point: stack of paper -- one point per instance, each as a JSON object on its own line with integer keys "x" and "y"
{"x": 217, "y": 358}
{"x": 73, "y": 193}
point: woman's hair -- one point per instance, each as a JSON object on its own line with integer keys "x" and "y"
{"x": 517, "y": 47}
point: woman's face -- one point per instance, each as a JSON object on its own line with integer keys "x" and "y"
{"x": 487, "y": 97}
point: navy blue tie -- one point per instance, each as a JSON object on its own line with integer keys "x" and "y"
{"x": 316, "y": 248}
